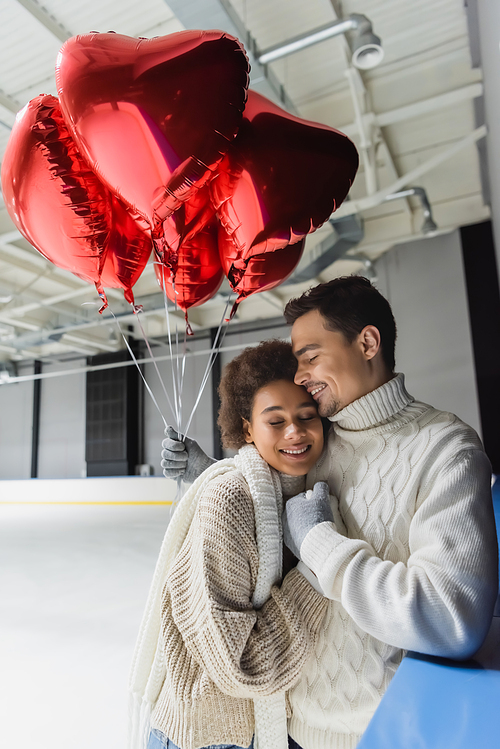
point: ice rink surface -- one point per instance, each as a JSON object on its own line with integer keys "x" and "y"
{"x": 73, "y": 584}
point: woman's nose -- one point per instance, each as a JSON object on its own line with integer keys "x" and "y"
{"x": 294, "y": 429}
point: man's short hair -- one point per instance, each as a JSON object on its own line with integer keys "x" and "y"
{"x": 348, "y": 304}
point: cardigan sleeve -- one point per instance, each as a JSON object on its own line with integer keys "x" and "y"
{"x": 441, "y": 601}
{"x": 245, "y": 652}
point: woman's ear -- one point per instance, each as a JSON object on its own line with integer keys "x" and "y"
{"x": 247, "y": 431}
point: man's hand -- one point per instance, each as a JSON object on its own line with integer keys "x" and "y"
{"x": 303, "y": 512}
{"x": 182, "y": 459}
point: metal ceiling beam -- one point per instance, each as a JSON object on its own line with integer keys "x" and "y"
{"x": 35, "y": 263}
{"x": 18, "y": 355}
{"x": 76, "y": 343}
{"x": 117, "y": 365}
{"x": 99, "y": 321}
{"x": 9, "y": 103}
{"x": 419, "y": 108}
{"x": 363, "y": 204}
{"x": 348, "y": 233}
{"x": 24, "y": 308}
{"x": 50, "y": 23}
{"x": 220, "y": 14}
{"x": 99, "y": 345}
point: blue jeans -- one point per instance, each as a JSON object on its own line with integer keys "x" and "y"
{"x": 158, "y": 741}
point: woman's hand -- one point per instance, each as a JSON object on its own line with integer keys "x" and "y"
{"x": 184, "y": 459}
{"x": 303, "y": 512}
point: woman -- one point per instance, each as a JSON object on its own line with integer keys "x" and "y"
{"x": 220, "y": 641}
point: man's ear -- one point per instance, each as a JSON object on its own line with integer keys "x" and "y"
{"x": 247, "y": 431}
{"x": 369, "y": 339}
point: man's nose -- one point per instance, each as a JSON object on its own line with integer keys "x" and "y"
{"x": 300, "y": 375}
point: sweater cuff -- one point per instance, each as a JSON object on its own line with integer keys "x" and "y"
{"x": 328, "y": 554}
{"x": 310, "y": 604}
{"x": 310, "y": 576}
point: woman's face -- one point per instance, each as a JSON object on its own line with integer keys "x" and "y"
{"x": 285, "y": 427}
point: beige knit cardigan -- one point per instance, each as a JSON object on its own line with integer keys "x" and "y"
{"x": 220, "y": 642}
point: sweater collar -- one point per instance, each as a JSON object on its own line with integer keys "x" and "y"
{"x": 376, "y": 407}
{"x": 291, "y": 485}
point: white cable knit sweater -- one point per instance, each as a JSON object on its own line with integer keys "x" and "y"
{"x": 415, "y": 567}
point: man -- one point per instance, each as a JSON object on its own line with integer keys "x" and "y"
{"x": 410, "y": 562}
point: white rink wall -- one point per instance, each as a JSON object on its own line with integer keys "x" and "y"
{"x": 114, "y": 490}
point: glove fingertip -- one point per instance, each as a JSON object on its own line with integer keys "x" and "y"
{"x": 172, "y": 433}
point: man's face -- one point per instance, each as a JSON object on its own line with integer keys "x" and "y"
{"x": 334, "y": 371}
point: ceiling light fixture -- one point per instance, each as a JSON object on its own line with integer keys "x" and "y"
{"x": 366, "y": 46}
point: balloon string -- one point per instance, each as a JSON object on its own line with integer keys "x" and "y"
{"x": 212, "y": 357}
{"x": 180, "y": 360}
{"x": 179, "y": 392}
{"x": 178, "y": 364}
{"x": 154, "y": 362}
{"x": 176, "y": 400}
{"x": 139, "y": 369}
{"x": 182, "y": 372}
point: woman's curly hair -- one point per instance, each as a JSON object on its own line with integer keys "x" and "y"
{"x": 251, "y": 370}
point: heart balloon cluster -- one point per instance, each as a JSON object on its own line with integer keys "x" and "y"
{"x": 157, "y": 143}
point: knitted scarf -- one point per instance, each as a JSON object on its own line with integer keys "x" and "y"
{"x": 148, "y": 664}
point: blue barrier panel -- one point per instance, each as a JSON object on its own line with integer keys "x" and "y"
{"x": 496, "y": 507}
{"x": 436, "y": 703}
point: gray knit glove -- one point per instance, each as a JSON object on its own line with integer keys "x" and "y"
{"x": 183, "y": 459}
{"x": 303, "y": 512}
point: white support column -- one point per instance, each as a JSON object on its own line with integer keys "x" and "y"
{"x": 365, "y": 128}
{"x": 489, "y": 37}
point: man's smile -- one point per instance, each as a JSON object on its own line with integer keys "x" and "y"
{"x": 316, "y": 390}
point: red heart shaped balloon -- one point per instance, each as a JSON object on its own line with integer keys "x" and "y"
{"x": 280, "y": 180}
{"x": 187, "y": 221}
{"x": 260, "y": 272}
{"x": 153, "y": 116}
{"x": 63, "y": 209}
{"x": 128, "y": 251}
{"x": 58, "y": 204}
{"x": 198, "y": 272}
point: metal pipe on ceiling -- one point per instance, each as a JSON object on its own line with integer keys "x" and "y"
{"x": 366, "y": 47}
{"x": 429, "y": 226}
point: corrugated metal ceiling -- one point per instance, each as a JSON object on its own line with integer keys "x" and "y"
{"x": 426, "y": 57}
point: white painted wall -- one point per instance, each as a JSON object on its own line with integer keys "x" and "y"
{"x": 16, "y": 409}
{"x": 489, "y": 25}
{"x": 424, "y": 282}
{"x": 61, "y": 452}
